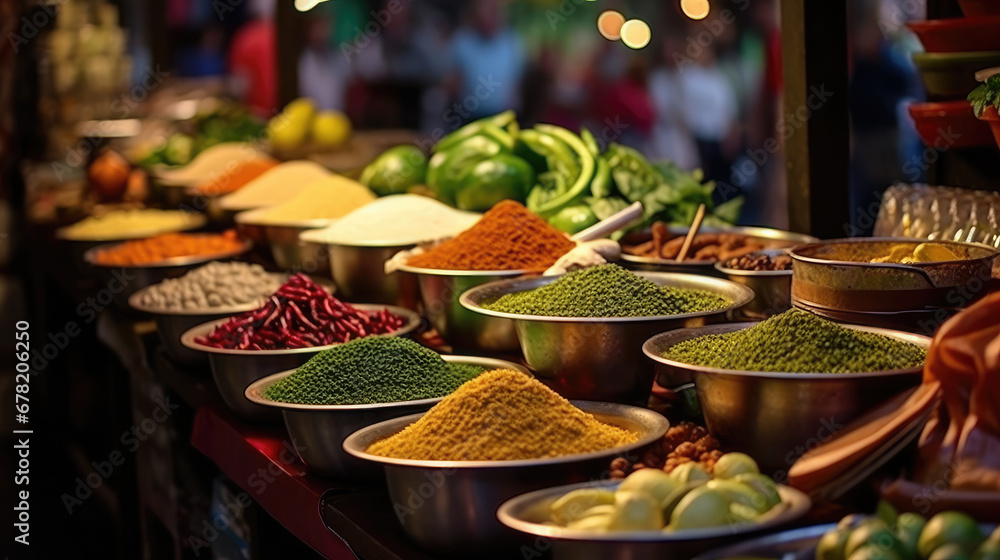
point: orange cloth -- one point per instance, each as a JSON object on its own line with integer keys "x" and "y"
{"x": 961, "y": 442}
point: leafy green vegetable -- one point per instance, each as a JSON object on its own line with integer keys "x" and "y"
{"x": 986, "y": 94}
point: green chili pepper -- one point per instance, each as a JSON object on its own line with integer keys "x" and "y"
{"x": 579, "y": 187}
{"x": 487, "y": 125}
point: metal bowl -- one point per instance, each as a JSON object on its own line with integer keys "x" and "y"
{"x": 171, "y": 324}
{"x": 772, "y": 288}
{"x": 836, "y": 275}
{"x": 359, "y": 273}
{"x": 449, "y": 507}
{"x": 529, "y": 512}
{"x": 288, "y": 249}
{"x": 770, "y": 238}
{"x": 234, "y": 370}
{"x": 440, "y": 293}
{"x": 318, "y": 431}
{"x": 123, "y": 281}
{"x": 600, "y": 358}
{"x": 776, "y": 417}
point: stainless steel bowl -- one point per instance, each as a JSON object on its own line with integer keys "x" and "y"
{"x": 234, "y": 370}
{"x": 440, "y": 293}
{"x": 123, "y": 281}
{"x": 449, "y": 507}
{"x": 288, "y": 249}
{"x": 359, "y": 273}
{"x": 79, "y": 246}
{"x": 770, "y": 238}
{"x": 171, "y": 324}
{"x": 318, "y": 431}
{"x": 528, "y": 513}
{"x": 776, "y": 417}
{"x": 772, "y": 288}
{"x": 600, "y": 358}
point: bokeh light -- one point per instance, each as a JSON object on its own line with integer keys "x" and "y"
{"x": 635, "y": 33}
{"x": 695, "y": 9}
{"x": 609, "y": 23}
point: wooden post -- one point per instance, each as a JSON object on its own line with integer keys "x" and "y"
{"x": 814, "y": 62}
{"x": 290, "y": 37}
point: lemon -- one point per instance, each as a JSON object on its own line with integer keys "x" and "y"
{"x": 831, "y": 545}
{"x": 690, "y": 472}
{"x": 732, "y": 464}
{"x": 331, "y": 129}
{"x": 763, "y": 485}
{"x": 702, "y": 507}
{"x": 636, "y": 511}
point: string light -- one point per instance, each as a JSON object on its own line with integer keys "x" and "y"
{"x": 609, "y": 23}
{"x": 635, "y": 33}
{"x": 695, "y": 9}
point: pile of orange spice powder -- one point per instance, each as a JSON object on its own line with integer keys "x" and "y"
{"x": 508, "y": 237}
{"x": 168, "y": 246}
{"x": 234, "y": 179}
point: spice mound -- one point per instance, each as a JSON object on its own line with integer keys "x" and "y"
{"x": 216, "y": 284}
{"x": 508, "y": 237}
{"x": 122, "y": 224}
{"x": 760, "y": 262}
{"x": 169, "y": 246}
{"x": 235, "y": 177}
{"x": 372, "y": 370}
{"x": 300, "y": 314}
{"x": 395, "y": 220}
{"x": 606, "y": 291}
{"x": 325, "y": 199}
{"x": 502, "y": 415}
{"x": 797, "y": 341}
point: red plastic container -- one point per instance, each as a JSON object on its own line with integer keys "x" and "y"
{"x": 991, "y": 117}
{"x": 959, "y": 34}
{"x": 972, "y": 8}
{"x": 950, "y": 124}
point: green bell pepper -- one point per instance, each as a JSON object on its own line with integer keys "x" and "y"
{"x": 395, "y": 170}
{"x": 503, "y": 176}
{"x": 492, "y": 126}
{"x": 445, "y": 169}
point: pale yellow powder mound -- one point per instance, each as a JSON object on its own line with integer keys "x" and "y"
{"x": 325, "y": 199}
{"x": 501, "y": 415}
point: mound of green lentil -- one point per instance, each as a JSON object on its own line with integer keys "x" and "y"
{"x": 798, "y": 342}
{"x": 606, "y": 291}
{"x": 369, "y": 371}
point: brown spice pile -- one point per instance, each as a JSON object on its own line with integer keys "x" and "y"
{"x": 508, "y": 237}
{"x": 501, "y": 415}
{"x": 683, "y": 443}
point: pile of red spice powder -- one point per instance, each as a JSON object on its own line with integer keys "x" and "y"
{"x": 508, "y": 237}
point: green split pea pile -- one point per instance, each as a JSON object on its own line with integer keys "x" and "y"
{"x": 606, "y": 291}
{"x": 369, "y": 371}
{"x": 798, "y": 342}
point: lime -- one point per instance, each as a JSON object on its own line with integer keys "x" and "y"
{"x": 740, "y": 493}
{"x": 396, "y": 170}
{"x": 950, "y": 551}
{"x": 636, "y": 511}
{"x": 949, "y": 527}
{"x": 732, "y": 464}
{"x": 989, "y": 550}
{"x": 886, "y": 512}
{"x": 873, "y": 552}
{"x": 690, "y": 472}
{"x": 654, "y": 482}
{"x": 831, "y": 545}
{"x": 908, "y": 528}
{"x": 874, "y": 532}
{"x": 763, "y": 485}
{"x": 572, "y": 505}
{"x": 702, "y": 507}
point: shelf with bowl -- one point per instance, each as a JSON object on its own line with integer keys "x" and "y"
{"x": 145, "y": 275}
{"x": 769, "y": 415}
{"x": 234, "y": 370}
{"x": 600, "y": 358}
{"x": 318, "y": 431}
{"x": 288, "y": 250}
{"x": 528, "y": 515}
{"x": 464, "y": 504}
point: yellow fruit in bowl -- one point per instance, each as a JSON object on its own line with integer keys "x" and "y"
{"x": 331, "y": 129}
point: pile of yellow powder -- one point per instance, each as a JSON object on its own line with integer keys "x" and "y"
{"x": 501, "y": 415}
{"x": 325, "y": 199}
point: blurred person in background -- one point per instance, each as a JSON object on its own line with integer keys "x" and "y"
{"x": 487, "y": 63}
{"x": 670, "y": 138}
{"x": 710, "y": 109}
{"x": 206, "y": 57}
{"x": 252, "y": 60}
{"x": 324, "y": 74}
{"x": 625, "y": 106}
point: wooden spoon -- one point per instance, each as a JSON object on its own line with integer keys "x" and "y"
{"x": 695, "y": 226}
